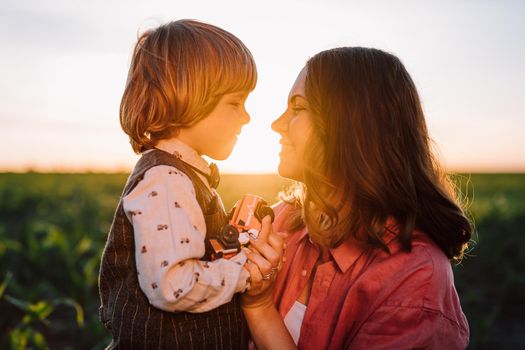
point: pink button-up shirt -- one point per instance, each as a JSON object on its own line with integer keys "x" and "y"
{"x": 365, "y": 298}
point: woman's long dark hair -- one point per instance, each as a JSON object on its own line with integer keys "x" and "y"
{"x": 370, "y": 148}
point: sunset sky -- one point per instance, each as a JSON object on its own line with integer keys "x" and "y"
{"x": 64, "y": 63}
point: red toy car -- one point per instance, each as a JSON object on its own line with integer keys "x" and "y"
{"x": 244, "y": 221}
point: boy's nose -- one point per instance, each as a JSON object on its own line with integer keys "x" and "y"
{"x": 245, "y": 117}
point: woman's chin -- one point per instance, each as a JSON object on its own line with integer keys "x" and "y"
{"x": 289, "y": 171}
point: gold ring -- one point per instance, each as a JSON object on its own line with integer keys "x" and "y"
{"x": 267, "y": 276}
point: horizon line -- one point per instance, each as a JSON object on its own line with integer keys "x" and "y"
{"x": 39, "y": 170}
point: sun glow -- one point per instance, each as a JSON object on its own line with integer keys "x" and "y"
{"x": 67, "y": 65}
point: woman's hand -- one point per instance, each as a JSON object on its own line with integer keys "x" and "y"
{"x": 264, "y": 262}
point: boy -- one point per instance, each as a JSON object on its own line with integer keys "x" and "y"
{"x": 184, "y": 98}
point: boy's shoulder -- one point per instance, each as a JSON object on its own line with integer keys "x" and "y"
{"x": 154, "y": 157}
{"x": 160, "y": 179}
{"x": 159, "y": 165}
{"x": 168, "y": 174}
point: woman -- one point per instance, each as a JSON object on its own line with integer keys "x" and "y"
{"x": 372, "y": 223}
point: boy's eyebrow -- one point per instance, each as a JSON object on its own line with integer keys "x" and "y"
{"x": 239, "y": 94}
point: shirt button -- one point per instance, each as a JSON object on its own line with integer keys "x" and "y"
{"x": 284, "y": 259}
{"x": 303, "y": 273}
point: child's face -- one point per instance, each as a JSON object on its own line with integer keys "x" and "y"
{"x": 215, "y": 135}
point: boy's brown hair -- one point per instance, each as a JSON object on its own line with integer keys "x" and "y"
{"x": 178, "y": 73}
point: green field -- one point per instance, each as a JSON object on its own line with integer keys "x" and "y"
{"x": 53, "y": 228}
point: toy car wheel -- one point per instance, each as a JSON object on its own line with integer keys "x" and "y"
{"x": 229, "y": 234}
{"x": 265, "y": 210}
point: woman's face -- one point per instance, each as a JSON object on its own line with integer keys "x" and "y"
{"x": 294, "y": 126}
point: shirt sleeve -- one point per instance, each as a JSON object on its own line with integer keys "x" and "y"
{"x": 397, "y": 327}
{"x": 169, "y": 230}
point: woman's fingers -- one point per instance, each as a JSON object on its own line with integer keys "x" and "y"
{"x": 270, "y": 251}
{"x": 264, "y": 266}
{"x": 264, "y": 257}
{"x": 269, "y": 244}
{"x": 255, "y": 276}
{"x": 259, "y": 292}
{"x": 266, "y": 228}
{"x": 259, "y": 280}
{"x": 276, "y": 242}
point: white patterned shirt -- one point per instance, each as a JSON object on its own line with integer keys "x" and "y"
{"x": 169, "y": 240}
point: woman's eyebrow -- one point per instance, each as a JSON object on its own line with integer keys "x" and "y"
{"x": 295, "y": 96}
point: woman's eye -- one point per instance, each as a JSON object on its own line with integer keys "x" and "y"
{"x": 235, "y": 104}
{"x": 297, "y": 109}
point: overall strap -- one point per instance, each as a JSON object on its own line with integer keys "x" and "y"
{"x": 157, "y": 157}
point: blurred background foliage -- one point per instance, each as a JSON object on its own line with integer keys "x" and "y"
{"x": 53, "y": 229}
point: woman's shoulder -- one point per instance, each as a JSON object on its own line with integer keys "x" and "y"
{"x": 424, "y": 246}
{"x": 425, "y": 253}
{"x": 425, "y": 259}
{"x": 422, "y": 277}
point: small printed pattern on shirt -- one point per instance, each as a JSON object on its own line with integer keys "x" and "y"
{"x": 169, "y": 230}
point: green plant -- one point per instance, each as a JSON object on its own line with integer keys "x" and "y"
{"x": 53, "y": 228}
{"x": 34, "y": 315}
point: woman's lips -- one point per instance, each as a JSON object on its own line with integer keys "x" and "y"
{"x": 286, "y": 147}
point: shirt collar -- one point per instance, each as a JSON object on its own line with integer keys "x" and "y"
{"x": 347, "y": 253}
{"x": 185, "y": 153}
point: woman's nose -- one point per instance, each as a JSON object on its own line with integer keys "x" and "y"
{"x": 279, "y": 125}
